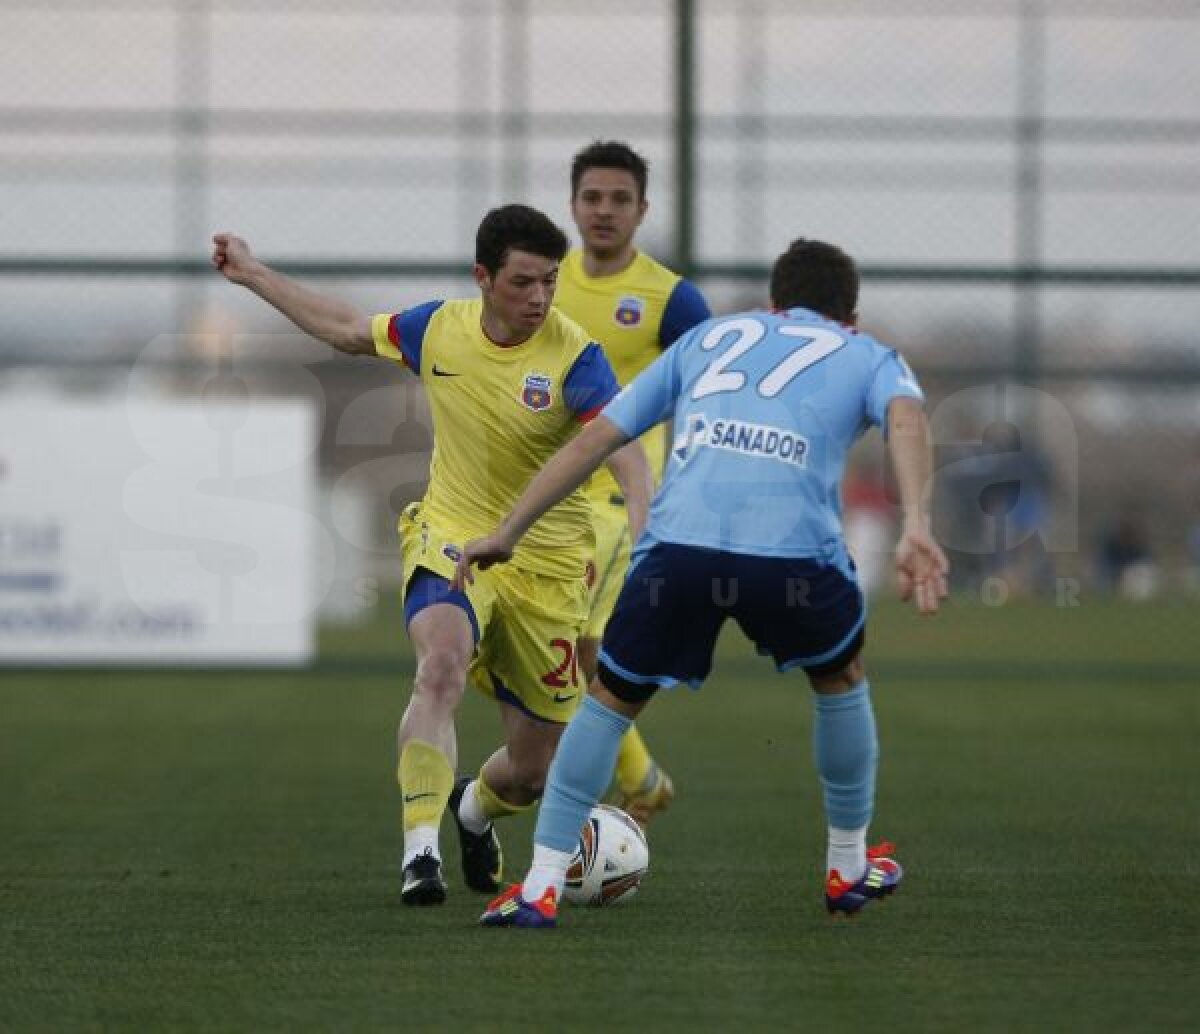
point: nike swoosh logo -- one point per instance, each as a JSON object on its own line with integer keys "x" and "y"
{"x": 560, "y": 699}
{"x": 443, "y": 373}
{"x": 410, "y": 797}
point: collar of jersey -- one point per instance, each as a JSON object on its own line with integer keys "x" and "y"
{"x": 496, "y": 350}
{"x": 608, "y": 278}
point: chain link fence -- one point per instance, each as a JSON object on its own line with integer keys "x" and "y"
{"x": 1018, "y": 179}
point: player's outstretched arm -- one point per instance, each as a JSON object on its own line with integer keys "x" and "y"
{"x": 564, "y": 472}
{"x": 632, "y": 472}
{"x": 328, "y": 319}
{"x": 921, "y": 566}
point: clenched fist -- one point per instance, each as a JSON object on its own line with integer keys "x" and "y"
{"x": 232, "y": 257}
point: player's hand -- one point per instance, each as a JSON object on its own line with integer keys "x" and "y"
{"x": 491, "y": 549}
{"x": 232, "y": 257}
{"x": 921, "y": 569}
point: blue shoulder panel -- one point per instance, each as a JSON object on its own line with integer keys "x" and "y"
{"x": 685, "y": 308}
{"x": 590, "y": 383}
{"x": 407, "y": 331}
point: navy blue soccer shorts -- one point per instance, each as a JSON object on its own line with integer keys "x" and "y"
{"x": 802, "y": 612}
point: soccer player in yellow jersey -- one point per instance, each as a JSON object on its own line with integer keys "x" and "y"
{"x": 635, "y": 307}
{"x": 509, "y": 381}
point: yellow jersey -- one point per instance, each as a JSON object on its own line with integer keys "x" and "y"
{"x": 634, "y": 314}
{"x": 499, "y": 413}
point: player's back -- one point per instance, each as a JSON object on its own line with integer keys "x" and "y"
{"x": 766, "y": 407}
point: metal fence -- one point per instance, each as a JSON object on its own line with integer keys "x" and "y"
{"x": 1018, "y": 179}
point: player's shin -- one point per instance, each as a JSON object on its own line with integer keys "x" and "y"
{"x": 582, "y": 769}
{"x": 426, "y": 780}
{"x": 847, "y": 753}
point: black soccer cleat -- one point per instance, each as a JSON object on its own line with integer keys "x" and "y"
{"x": 423, "y": 883}
{"x": 482, "y": 859}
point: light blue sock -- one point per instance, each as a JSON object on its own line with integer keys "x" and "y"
{"x": 580, "y": 772}
{"x": 847, "y": 753}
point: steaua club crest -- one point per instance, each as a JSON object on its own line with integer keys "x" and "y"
{"x": 629, "y": 311}
{"x": 536, "y": 395}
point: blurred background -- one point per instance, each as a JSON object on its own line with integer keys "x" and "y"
{"x": 1018, "y": 179}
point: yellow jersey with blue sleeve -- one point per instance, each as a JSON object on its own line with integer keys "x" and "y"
{"x": 634, "y": 314}
{"x": 499, "y": 413}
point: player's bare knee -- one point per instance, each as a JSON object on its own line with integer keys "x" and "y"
{"x": 841, "y": 681}
{"x": 442, "y": 674}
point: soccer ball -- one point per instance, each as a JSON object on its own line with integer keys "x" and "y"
{"x": 610, "y": 861}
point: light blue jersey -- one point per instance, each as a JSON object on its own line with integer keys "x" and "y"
{"x": 765, "y": 408}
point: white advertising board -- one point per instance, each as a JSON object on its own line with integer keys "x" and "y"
{"x": 157, "y": 532}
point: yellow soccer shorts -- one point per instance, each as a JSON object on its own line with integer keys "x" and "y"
{"x": 526, "y": 623}
{"x": 611, "y": 564}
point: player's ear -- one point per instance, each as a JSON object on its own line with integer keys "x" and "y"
{"x": 852, "y": 322}
{"x": 643, "y": 208}
{"x": 482, "y": 277}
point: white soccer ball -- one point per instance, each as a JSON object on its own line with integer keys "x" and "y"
{"x": 610, "y": 861}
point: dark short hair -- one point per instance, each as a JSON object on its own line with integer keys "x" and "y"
{"x": 816, "y": 276}
{"x": 609, "y": 154}
{"x": 517, "y": 228}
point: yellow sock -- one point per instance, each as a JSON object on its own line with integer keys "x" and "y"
{"x": 633, "y": 762}
{"x": 426, "y": 780}
{"x": 494, "y": 806}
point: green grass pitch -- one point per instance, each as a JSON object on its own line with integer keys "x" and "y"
{"x": 218, "y": 850}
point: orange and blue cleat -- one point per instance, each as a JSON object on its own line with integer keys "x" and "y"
{"x": 882, "y": 877}
{"x": 511, "y": 909}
